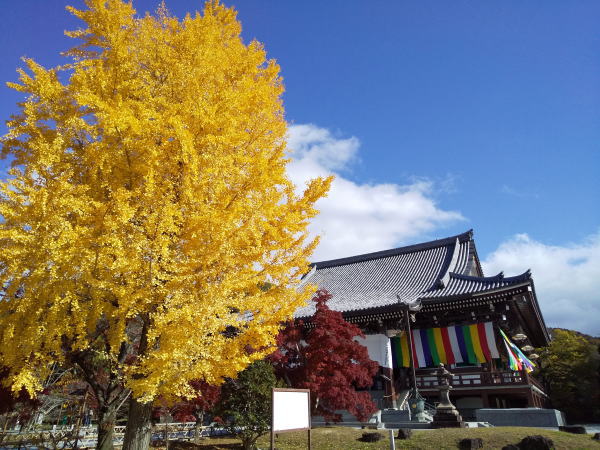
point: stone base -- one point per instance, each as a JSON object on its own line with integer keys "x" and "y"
{"x": 447, "y": 418}
{"x": 395, "y": 415}
{"x": 575, "y": 429}
{"x": 521, "y": 417}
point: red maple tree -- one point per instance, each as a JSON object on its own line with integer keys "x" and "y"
{"x": 193, "y": 410}
{"x": 326, "y": 359}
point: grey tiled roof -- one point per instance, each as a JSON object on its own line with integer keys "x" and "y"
{"x": 433, "y": 270}
{"x": 464, "y": 284}
{"x": 376, "y": 279}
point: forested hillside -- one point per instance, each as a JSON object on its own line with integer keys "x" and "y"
{"x": 570, "y": 368}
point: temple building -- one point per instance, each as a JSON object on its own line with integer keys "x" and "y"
{"x": 430, "y": 303}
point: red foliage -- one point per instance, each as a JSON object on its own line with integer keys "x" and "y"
{"x": 327, "y": 360}
{"x": 9, "y": 401}
{"x": 193, "y": 410}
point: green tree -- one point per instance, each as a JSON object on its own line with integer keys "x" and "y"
{"x": 569, "y": 366}
{"x": 246, "y": 402}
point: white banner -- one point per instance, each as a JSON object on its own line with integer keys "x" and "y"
{"x": 379, "y": 348}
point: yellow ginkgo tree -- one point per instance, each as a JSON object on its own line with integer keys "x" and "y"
{"x": 148, "y": 219}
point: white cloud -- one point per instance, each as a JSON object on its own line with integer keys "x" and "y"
{"x": 566, "y": 278}
{"x": 358, "y": 218}
{"x": 311, "y": 144}
{"x": 509, "y": 190}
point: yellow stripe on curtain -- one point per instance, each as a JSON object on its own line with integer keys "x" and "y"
{"x": 476, "y": 343}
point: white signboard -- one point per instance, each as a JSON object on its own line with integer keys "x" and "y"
{"x": 291, "y": 409}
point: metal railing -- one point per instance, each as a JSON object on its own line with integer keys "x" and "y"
{"x": 68, "y": 436}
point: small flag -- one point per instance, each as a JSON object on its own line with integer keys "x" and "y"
{"x": 516, "y": 358}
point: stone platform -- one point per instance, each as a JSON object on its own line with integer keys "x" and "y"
{"x": 521, "y": 417}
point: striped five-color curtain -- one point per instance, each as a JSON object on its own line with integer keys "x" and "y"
{"x": 450, "y": 345}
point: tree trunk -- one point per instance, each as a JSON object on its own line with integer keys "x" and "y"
{"x": 106, "y": 428}
{"x": 139, "y": 426}
{"x": 249, "y": 442}
{"x": 198, "y": 427}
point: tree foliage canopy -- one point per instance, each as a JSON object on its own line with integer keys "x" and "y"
{"x": 193, "y": 409}
{"x": 245, "y": 402}
{"x": 148, "y": 206}
{"x": 570, "y": 365}
{"x": 326, "y": 359}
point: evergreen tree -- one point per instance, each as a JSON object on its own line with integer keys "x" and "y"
{"x": 245, "y": 402}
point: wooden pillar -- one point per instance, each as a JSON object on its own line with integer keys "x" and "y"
{"x": 389, "y": 388}
{"x": 410, "y": 350}
{"x": 530, "y": 400}
{"x": 485, "y": 399}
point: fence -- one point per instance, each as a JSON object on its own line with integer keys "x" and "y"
{"x": 69, "y": 436}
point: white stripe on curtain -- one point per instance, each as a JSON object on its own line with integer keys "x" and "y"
{"x": 454, "y": 344}
{"x": 491, "y": 339}
{"x": 420, "y": 356}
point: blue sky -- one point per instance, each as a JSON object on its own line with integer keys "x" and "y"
{"x": 439, "y": 116}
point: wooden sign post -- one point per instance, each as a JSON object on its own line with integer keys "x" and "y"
{"x": 291, "y": 412}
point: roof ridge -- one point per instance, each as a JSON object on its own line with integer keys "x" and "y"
{"x": 476, "y": 284}
{"x": 466, "y": 236}
{"x": 443, "y": 280}
{"x": 500, "y": 276}
{"x": 523, "y": 276}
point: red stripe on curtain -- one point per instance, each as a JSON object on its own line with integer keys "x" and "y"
{"x": 447, "y": 346}
{"x": 483, "y": 341}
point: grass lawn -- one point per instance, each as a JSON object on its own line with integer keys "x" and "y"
{"x": 340, "y": 438}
